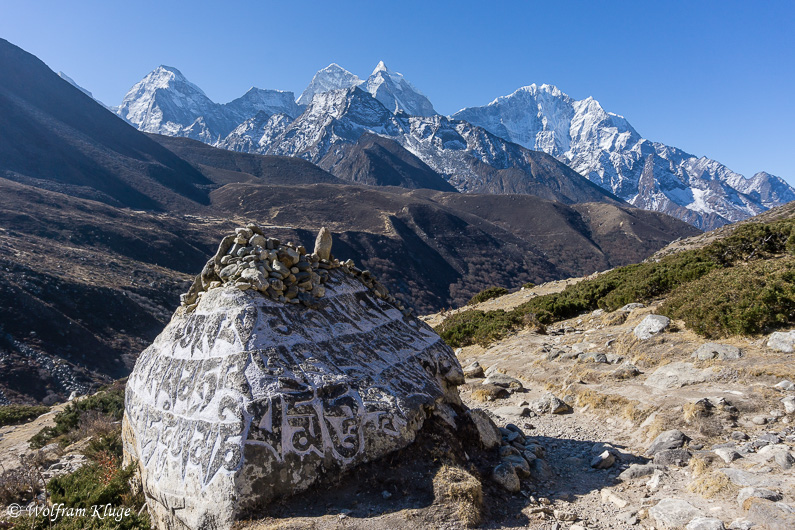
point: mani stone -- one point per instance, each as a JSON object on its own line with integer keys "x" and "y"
{"x": 323, "y": 244}
{"x": 246, "y": 399}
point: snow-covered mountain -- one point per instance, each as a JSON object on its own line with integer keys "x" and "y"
{"x": 469, "y": 157}
{"x": 165, "y": 102}
{"x": 476, "y": 150}
{"x": 332, "y": 77}
{"x": 396, "y": 93}
{"x": 604, "y": 147}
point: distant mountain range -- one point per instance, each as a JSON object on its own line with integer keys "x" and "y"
{"x": 478, "y": 149}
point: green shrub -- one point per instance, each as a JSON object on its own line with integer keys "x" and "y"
{"x": 695, "y": 279}
{"x": 741, "y": 300}
{"x": 529, "y": 285}
{"x": 108, "y": 402}
{"x": 478, "y": 327}
{"x": 488, "y": 294}
{"x": 16, "y": 414}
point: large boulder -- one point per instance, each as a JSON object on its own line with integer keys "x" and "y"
{"x": 246, "y": 396}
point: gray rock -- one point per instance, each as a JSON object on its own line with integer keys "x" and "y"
{"x": 739, "y": 435}
{"x": 594, "y": 357}
{"x": 513, "y": 411}
{"x": 505, "y": 476}
{"x": 323, "y": 244}
{"x": 785, "y": 385}
{"x": 549, "y": 404}
{"x": 519, "y": 463}
{"x": 741, "y": 524}
{"x": 504, "y": 381}
{"x": 762, "y": 493}
{"x": 637, "y": 471}
{"x": 713, "y": 350}
{"x": 246, "y": 398}
{"x": 677, "y": 375}
{"x": 603, "y": 460}
{"x": 673, "y": 513}
{"x": 789, "y": 404}
{"x": 488, "y": 432}
{"x": 614, "y": 358}
{"x": 759, "y": 420}
{"x": 783, "y": 341}
{"x": 473, "y": 370}
{"x": 650, "y": 326}
{"x": 705, "y": 523}
{"x": 672, "y": 457}
{"x": 540, "y": 470}
{"x": 771, "y": 515}
{"x": 631, "y": 307}
{"x": 784, "y": 459}
{"x": 740, "y": 477}
{"x": 727, "y": 454}
{"x": 673, "y": 439}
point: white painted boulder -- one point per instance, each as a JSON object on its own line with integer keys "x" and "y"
{"x": 242, "y": 398}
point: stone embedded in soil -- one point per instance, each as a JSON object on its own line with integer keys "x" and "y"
{"x": 677, "y": 375}
{"x": 713, "y": 350}
{"x": 650, "y": 326}
{"x": 673, "y": 513}
{"x": 771, "y": 515}
{"x": 505, "y": 381}
{"x": 705, "y": 523}
{"x": 474, "y": 370}
{"x": 603, "y": 460}
{"x": 783, "y": 341}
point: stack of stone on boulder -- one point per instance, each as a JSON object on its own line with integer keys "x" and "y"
{"x": 284, "y": 272}
{"x": 248, "y": 395}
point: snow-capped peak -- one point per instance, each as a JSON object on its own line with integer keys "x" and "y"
{"x": 396, "y": 93}
{"x": 332, "y": 77}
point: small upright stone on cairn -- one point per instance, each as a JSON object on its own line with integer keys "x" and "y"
{"x": 323, "y": 244}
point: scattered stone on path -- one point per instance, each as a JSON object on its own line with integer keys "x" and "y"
{"x": 785, "y": 385}
{"x": 789, "y": 404}
{"x": 549, "y": 404}
{"x": 637, "y": 471}
{"x": 609, "y": 496}
{"x": 504, "y": 381}
{"x": 727, "y": 454}
{"x": 474, "y": 370}
{"x": 672, "y": 457}
{"x": 673, "y": 439}
{"x": 650, "y": 326}
{"x": 603, "y": 460}
{"x": 673, "y": 513}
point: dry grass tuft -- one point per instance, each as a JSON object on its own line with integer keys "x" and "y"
{"x": 708, "y": 483}
{"x": 460, "y": 488}
{"x": 616, "y": 318}
{"x": 613, "y": 405}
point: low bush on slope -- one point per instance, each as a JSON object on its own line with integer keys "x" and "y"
{"x": 742, "y": 284}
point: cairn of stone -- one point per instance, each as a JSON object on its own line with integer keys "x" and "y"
{"x": 285, "y": 272}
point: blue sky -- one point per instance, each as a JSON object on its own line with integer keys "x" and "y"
{"x": 712, "y": 78}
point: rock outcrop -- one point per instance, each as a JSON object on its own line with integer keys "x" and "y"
{"x": 250, "y": 393}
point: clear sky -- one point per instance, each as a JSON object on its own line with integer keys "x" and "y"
{"x": 714, "y": 78}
